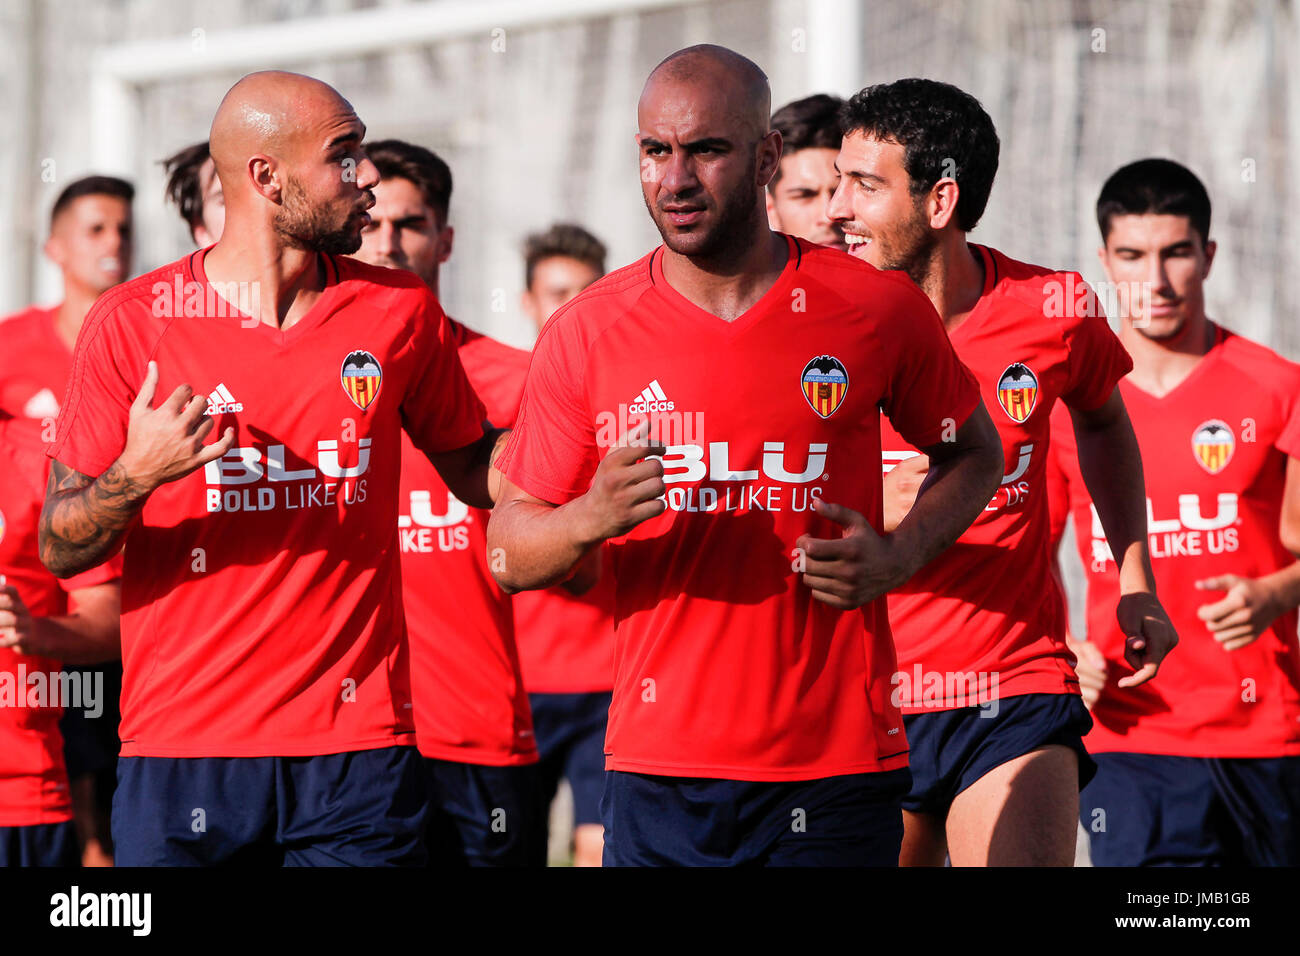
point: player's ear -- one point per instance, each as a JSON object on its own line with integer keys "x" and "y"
{"x": 1211, "y": 247}
{"x": 1104, "y": 259}
{"x": 265, "y": 177}
{"x": 445, "y": 240}
{"x": 53, "y": 249}
{"x": 943, "y": 202}
{"x": 529, "y": 304}
{"x": 769, "y": 157}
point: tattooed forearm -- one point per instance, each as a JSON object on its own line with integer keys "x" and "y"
{"x": 84, "y": 519}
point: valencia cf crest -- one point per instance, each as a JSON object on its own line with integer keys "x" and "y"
{"x": 1213, "y": 443}
{"x": 361, "y": 377}
{"x": 1018, "y": 391}
{"x": 825, "y": 382}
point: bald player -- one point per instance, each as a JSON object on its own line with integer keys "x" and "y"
{"x": 751, "y": 720}
{"x": 266, "y": 712}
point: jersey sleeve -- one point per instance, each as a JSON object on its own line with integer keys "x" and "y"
{"x": 107, "y": 369}
{"x": 1096, "y": 360}
{"x": 929, "y": 390}
{"x": 440, "y": 410}
{"x": 552, "y": 453}
{"x": 110, "y": 570}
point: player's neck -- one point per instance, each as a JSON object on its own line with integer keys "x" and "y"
{"x": 728, "y": 289}
{"x": 71, "y": 313}
{"x": 1161, "y": 365}
{"x": 288, "y": 281}
{"x": 953, "y": 279}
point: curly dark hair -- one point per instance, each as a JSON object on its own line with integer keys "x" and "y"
{"x": 1158, "y": 186}
{"x": 183, "y": 186}
{"x": 944, "y": 132}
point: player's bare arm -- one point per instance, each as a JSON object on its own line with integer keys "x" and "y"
{"x": 468, "y": 471}
{"x": 542, "y": 544}
{"x": 90, "y": 634}
{"x": 1252, "y": 604}
{"x": 84, "y": 519}
{"x": 861, "y": 565}
{"x": 1111, "y": 465}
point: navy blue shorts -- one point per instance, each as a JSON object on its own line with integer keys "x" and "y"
{"x": 951, "y": 749}
{"x": 570, "y": 733}
{"x": 485, "y": 816}
{"x": 363, "y": 808}
{"x": 852, "y": 820}
{"x": 42, "y": 844}
{"x": 1158, "y": 810}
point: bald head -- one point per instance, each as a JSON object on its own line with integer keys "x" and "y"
{"x": 287, "y": 149}
{"x": 717, "y": 74}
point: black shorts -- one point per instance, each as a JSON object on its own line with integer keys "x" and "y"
{"x": 1159, "y": 810}
{"x": 42, "y": 844}
{"x": 951, "y": 749}
{"x": 570, "y": 734}
{"x": 485, "y": 816}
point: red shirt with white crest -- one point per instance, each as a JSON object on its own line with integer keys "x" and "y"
{"x": 1215, "y": 451}
{"x": 725, "y": 666}
{"x": 261, "y": 603}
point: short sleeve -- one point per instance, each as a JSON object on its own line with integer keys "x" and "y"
{"x": 552, "y": 452}
{"x": 440, "y": 410}
{"x": 109, "y": 571}
{"x": 1096, "y": 360}
{"x": 107, "y": 369}
{"x": 930, "y": 391}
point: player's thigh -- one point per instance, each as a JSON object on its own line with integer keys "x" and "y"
{"x": 361, "y": 808}
{"x": 485, "y": 816}
{"x": 925, "y": 840}
{"x": 1020, "y": 813}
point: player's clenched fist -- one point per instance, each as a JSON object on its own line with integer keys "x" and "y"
{"x": 166, "y": 443}
{"x": 628, "y": 487}
{"x": 1149, "y": 635}
{"x": 853, "y": 569}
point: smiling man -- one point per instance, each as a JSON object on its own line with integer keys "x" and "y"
{"x": 992, "y": 706}
{"x": 266, "y": 705}
{"x": 751, "y": 720}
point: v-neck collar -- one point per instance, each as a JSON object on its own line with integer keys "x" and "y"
{"x": 978, "y": 312}
{"x": 753, "y": 314}
{"x": 1198, "y": 371}
{"x": 237, "y": 317}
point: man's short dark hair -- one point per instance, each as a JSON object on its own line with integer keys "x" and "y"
{"x": 562, "y": 239}
{"x": 91, "y": 186}
{"x": 810, "y": 123}
{"x": 1154, "y": 186}
{"x": 423, "y": 168}
{"x": 944, "y": 132}
{"x": 184, "y": 187}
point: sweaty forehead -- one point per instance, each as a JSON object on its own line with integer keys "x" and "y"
{"x": 689, "y": 109}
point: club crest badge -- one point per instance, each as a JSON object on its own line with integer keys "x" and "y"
{"x": 1213, "y": 443}
{"x": 825, "y": 382}
{"x": 1018, "y": 391}
{"x": 361, "y": 377}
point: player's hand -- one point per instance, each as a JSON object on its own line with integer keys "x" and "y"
{"x": 1149, "y": 635}
{"x": 1243, "y": 614}
{"x": 901, "y": 485}
{"x": 628, "y": 487}
{"x": 17, "y": 627}
{"x": 166, "y": 443}
{"x": 1091, "y": 668}
{"x": 853, "y": 569}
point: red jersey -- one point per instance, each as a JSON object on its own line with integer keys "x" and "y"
{"x": 33, "y": 779}
{"x": 983, "y": 620}
{"x": 470, "y": 704}
{"x": 1215, "y": 450}
{"x": 725, "y": 666}
{"x": 566, "y": 641}
{"x": 34, "y": 367}
{"x": 261, "y": 604}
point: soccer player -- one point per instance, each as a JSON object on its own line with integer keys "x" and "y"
{"x": 800, "y": 191}
{"x": 984, "y": 678}
{"x": 90, "y": 242}
{"x": 266, "y": 701}
{"x": 751, "y": 720}
{"x": 1203, "y": 767}
{"x": 566, "y": 641}
{"x": 195, "y": 188}
{"x": 472, "y": 722}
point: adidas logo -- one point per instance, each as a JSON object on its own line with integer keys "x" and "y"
{"x": 221, "y": 401}
{"x": 651, "y": 399}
